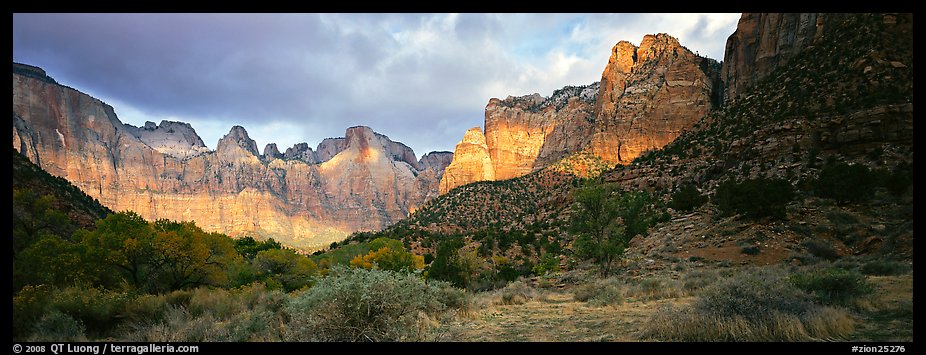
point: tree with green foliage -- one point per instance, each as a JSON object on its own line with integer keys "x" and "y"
{"x": 285, "y": 269}
{"x": 687, "y": 198}
{"x": 547, "y": 263}
{"x": 33, "y": 218}
{"x": 50, "y": 261}
{"x": 388, "y": 254}
{"x": 186, "y": 256}
{"x": 154, "y": 257}
{"x": 601, "y": 235}
{"x": 445, "y": 266}
{"x": 754, "y": 198}
{"x": 604, "y": 221}
{"x": 846, "y": 183}
{"x": 120, "y": 249}
{"x": 43, "y": 252}
{"x": 248, "y": 247}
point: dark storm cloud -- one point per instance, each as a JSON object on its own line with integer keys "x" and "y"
{"x": 421, "y": 79}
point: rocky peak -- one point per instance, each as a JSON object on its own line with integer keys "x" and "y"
{"x": 271, "y": 152}
{"x": 301, "y": 151}
{"x": 613, "y": 78}
{"x": 330, "y": 147}
{"x": 623, "y": 55}
{"x": 362, "y": 138}
{"x": 32, "y": 72}
{"x": 474, "y": 136}
{"x": 470, "y": 163}
{"x": 398, "y": 151}
{"x": 652, "y": 46}
{"x": 648, "y": 95}
{"x": 177, "y": 139}
{"x": 437, "y": 161}
{"x": 237, "y": 137}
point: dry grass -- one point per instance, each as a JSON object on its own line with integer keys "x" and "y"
{"x": 655, "y": 288}
{"x": 517, "y": 292}
{"x": 887, "y": 313}
{"x": 757, "y": 305}
{"x": 559, "y": 318}
{"x": 689, "y": 324}
{"x": 607, "y": 292}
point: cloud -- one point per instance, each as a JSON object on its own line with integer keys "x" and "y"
{"x": 422, "y": 79}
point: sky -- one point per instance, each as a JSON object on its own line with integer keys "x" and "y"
{"x": 421, "y": 79}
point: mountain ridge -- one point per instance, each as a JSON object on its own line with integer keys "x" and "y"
{"x": 234, "y": 189}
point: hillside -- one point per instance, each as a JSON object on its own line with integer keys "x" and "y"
{"x": 847, "y": 98}
{"x": 777, "y": 206}
{"x": 81, "y": 210}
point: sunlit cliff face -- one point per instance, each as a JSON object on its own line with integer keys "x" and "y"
{"x": 647, "y": 96}
{"x": 233, "y": 190}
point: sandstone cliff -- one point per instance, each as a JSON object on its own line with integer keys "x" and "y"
{"x": 300, "y": 151}
{"x": 177, "y": 139}
{"x": 471, "y": 162}
{"x": 437, "y": 161}
{"x": 647, "y": 96}
{"x": 363, "y": 181}
{"x": 764, "y": 42}
{"x": 529, "y": 132}
{"x": 849, "y": 97}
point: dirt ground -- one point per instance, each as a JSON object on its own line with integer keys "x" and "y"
{"x": 886, "y": 315}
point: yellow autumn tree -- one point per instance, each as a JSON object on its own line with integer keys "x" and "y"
{"x": 388, "y": 254}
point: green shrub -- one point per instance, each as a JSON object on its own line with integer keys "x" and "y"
{"x": 146, "y": 309}
{"x": 364, "y": 305}
{"x": 99, "y": 310}
{"x": 57, "y": 326}
{"x": 687, "y": 198}
{"x": 832, "y": 285}
{"x": 898, "y": 181}
{"x": 519, "y": 292}
{"x": 753, "y": 306}
{"x": 249, "y": 313}
{"x": 547, "y": 263}
{"x": 218, "y": 302}
{"x": 755, "y": 198}
{"x": 28, "y": 307}
{"x": 607, "y": 292}
{"x": 884, "y": 267}
{"x": 846, "y": 183}
{"x": 754, "y": 296}
{"x": 655, "y": 288}
{"x": 820, "y": 249}
{"x": 698, "y": 279}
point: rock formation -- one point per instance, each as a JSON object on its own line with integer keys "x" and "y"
{"x": 437, "y": 161}
{"x": 646, "y": 97}
{"x": 363, "y": 181}
{"x": 529, "y": 132}
{"x": 177, "y": 139}
{"x": 649, "y": 95}
{"x": 763, "y": 42}
{"x": 271, "y": 152}
{"x": 301, "y": 151}
{"x": 471, "y": 162}
{"x": 328, "y": 148}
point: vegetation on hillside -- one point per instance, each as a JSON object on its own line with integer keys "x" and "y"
{"x": 519, "y": 244}
{"x": 126, "y": 278}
